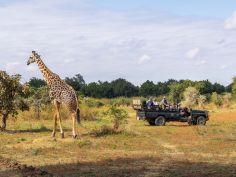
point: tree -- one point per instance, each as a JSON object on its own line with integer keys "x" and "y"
{"x": 10, "y": 89}
{"x": 234, "y": 88}
{"x": 191, "y": 96}
{"x": 121, "y": 87}
{"x": 227, "y": 97}
{"x": 148, "y": 88}
{"x": 76, "y": 82}
{"x": 36, "y": 83}
{"x": 202, "y": 100}
{"x": 118, "y": 116}
{"x": 216, "y": 99}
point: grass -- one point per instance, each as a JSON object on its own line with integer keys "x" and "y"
{"x": 141, "y": 150}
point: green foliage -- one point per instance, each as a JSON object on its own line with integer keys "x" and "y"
{"x": 118, "y": 116}
{"x": 76, "y": 82}
{"x": 216, "y": 99}
{"x": 202, "y": 100}
{"x": 116, "y": 88}
{"x": 191, "y": 96}
{"x": 90, "y": 102}
{"x": 10, "y": 90}
{"x": 36, "y": 83}
{"x": 234, "y": 88}
{"x": 227, "y": 98}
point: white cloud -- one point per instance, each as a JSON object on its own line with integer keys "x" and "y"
{"x": 224, "y": 66}
{"x": 143, "y": 59}
{"x": 11, "y": 65}
{"x": 103, "y": 44}
{"x": 192, "y": 53}
{"x": 199, "y": 63}
{"x": 230, "y": 23}
{"x": 31, "y": 68}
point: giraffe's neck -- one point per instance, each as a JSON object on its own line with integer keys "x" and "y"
{"x": 47, "y": 73}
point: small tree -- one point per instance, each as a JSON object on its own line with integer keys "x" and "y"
{"x": 118, "y": 116}
{"x": 227, "y": 99}
{"x": 216, "y": 99}
{"x": 191, "y": 96}
{"x": 234, "y": 88}
{"x": 202, "y": 100}
{"x": 10, "y": 101}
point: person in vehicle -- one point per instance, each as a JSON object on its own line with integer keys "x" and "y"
{"x": 185, "y": 112}
{"x": 150, "y": 103}
{"x": 164, "y": 103}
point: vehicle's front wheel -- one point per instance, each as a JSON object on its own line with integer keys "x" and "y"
{"x": 160, "y": 121}
{"x": 201, "y": 120}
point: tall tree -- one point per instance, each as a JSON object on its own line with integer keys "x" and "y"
{"x": 37, "y": 83}
{"x": 77, "y": 82}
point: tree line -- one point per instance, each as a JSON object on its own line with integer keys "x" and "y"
{"x": 174, "y": 89}
{"x": 15, "y": 96}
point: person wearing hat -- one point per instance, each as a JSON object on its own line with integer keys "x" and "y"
{"x": 164, "y": 102}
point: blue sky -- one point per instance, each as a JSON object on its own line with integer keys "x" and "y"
{"x": 135, "y": 40}
{"x": 198, "y": 8}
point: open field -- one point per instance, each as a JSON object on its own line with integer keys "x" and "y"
{"x": 174, "y": 150}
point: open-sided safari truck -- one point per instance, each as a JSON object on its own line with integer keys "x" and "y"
{"x": 159, "y": 117}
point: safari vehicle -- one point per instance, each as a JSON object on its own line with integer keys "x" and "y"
{"x": 159, "y": 117}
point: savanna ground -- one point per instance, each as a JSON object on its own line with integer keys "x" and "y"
{"x": 141, "y": 150}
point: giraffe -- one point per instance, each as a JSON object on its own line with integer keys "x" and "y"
{"x": 59, "y": 93}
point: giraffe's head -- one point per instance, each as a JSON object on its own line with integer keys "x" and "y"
{"x": 33, "y": 57}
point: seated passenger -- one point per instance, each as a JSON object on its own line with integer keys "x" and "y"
{"x": 150, "y": 103}
{"x": 156, "y": 104}
{"x": 164, "y": 103}
{"x": 185, "y": 112}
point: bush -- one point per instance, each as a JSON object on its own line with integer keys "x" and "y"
{"x": 90, "y": 102}
{"x": 89, "y": 114}
{"x": 121, "y": 101}
{"x": 102, "y": 131}
{"x": 118, "y": 116}
{"x": 227, "y": 98}
{"x": 216, "y": 99}
{"x": 191, "y": 96}
{"x": 202, "y": 100}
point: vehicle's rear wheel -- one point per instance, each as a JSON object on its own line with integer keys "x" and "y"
{"x": 160, "y": 121}
{"x": 201, "y": 120}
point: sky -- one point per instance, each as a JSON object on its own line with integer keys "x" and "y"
{"x": 137, "y": 40}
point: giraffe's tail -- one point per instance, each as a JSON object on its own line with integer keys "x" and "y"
{"x": 78, "y": 116}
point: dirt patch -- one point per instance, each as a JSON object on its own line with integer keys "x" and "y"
{"x": 13, "y": 168}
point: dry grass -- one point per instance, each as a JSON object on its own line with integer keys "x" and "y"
{"x": 142, "y": 150}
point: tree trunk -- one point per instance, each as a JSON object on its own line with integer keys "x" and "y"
{"x": 4, "y": 121}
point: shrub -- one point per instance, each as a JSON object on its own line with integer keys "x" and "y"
{"x": 216, "y": 99}
{"x": 89, "y": 114}
{"x": 191, "y": 96}
{"x": 118, "y": 116}
{"x": 102, "y": 131}
{"x": 227, "y": 99}
{"x": 202, "y": 100}
{"x": 90, "y": 102}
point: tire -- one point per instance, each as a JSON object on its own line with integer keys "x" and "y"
{"x": 151, "y": 123}
{"x": 160, "y": 121}
{"x": 201, "y": 120}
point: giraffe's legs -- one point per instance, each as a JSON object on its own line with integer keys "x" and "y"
{"x": 54, "y": 125}
{"x": 57, "y": 116}
{"x": 73, "y": 115}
